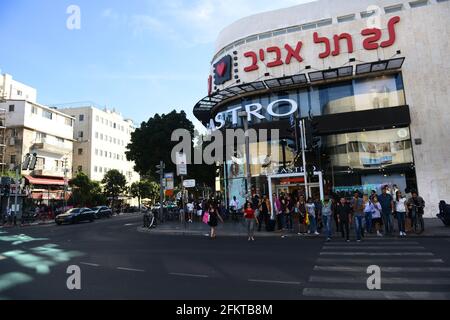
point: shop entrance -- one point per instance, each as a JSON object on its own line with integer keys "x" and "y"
{"x": 295, "y": 183}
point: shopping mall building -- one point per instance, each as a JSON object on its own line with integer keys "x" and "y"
{"x": 374, "y": 75}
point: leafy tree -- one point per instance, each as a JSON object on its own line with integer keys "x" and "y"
{"x": 114, "y": 184}
{"x": 151, "y": 143}
{"x": 86, "y": 192}
{"x": 144, "y": 189}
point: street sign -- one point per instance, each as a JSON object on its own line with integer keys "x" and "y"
{"x": 181, "y": 164}
{"x": 189, "y": 183}
{"x": 169, "y": 181}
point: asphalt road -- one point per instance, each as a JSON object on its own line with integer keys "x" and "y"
{"x": 117, "y": 262}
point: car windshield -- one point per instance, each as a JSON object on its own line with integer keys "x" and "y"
{"x": 74, "y": 210}
{"x": 96, "y": 208}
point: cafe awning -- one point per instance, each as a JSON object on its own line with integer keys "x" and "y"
{"x": 45, "y": 181}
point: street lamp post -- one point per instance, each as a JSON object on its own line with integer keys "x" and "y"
{"x": 244, "y": 116}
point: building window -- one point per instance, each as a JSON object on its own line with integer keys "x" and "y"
{"x": 95, "y": 168}
{"x": 11, "y": 108}
{"x": 34, "y": 110}
{"x": 80, "y": 168}
{"x": 13, "y": 159}
{"x": 60, "y": 140}
{"x": 80, "y": 152}
{"x": 40, "y": 137}
{"x": 101, "y": 153}
{"x": 391, "y": 9}
{"x": 47, "y": 114}
{"x": 68, "y": 122}
{"x": 97, "y": 118}
{"x": 419, "y": 3}
{"x": 115, "y": 141}
{"x": 367, "y": 14}
{"x": 110, "y": 155}
{"x": 346, "y": 18}
{"x": 96, "y": 152}
{"x": 110, "y": 139}
{"x": 81, "y": 117}
{"x": 19, "y": 92}
{"x": 96, "y": 135}
{"x": 115, "y": 125}
{"x": 101, "y": 136}
{"x": 80, "y": 134}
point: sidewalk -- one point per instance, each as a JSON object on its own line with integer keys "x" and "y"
{"x": 433, "y": 228}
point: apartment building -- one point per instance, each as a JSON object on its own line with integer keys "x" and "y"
{"x": 34, "y": 128}
{"x": 14, "y": 90}
{"x": 101, "y": 137}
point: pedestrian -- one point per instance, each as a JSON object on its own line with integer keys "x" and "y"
{"x": 376, "y": 215}
{"x": 387, "y": 205}
{"x": 234, "y": 207}
{"x": 250, "y": 220}
{"x": 311, "y": 211}
{"x": 327, "y": 214}
{"x": 344, "y": 214}
{"x": 372, "y": 195}
{"x": 400, "y": 212}
{"x": 289, "y": 213}
{"x": 358, "y": 214}
{"x": 214, "y": 218}
{"x": 368, "y": 211}
{"x": 190, "y": 209}
{"x": 278, "y": 209}
{"x": 302, "y": 226}
{"x": 318, "y": 210}
{"x": 263, "y": 214}
{"x": 416, "y": 206}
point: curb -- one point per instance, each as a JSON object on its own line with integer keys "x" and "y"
{"x": 174, "y": 232}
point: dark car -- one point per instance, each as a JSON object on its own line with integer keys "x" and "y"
{"x": 75, "y": 215}
{"x": 102, "y": 212}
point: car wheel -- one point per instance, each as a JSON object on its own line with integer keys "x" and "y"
{"x": 58, "y": 223}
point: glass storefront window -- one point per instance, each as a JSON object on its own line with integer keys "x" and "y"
{"x": 348, "y": 96}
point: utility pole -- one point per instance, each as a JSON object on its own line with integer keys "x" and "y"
{"x": 303, "y": 145}
{"x": 244, "y": 117}
{"x": 161, "y": 168}
{"x": 65, "y": 184}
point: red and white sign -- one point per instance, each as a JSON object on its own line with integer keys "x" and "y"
{"x": 276, "y": 56}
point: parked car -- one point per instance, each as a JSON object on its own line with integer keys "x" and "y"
{"x": 75, "y": 215}
{"x": 102, "y": 212}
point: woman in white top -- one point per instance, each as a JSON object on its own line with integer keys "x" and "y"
{"x": 376, "y": 215}
{"x": 400, "y": 211}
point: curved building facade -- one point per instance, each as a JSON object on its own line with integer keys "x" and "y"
{"x": 371, "y": 76}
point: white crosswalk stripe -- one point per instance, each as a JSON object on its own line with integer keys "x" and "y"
{"x": 408, "y": 271}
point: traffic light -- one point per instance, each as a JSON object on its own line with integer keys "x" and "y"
{"x": 27, "y": 161}
{"x": 312, "y": 138}
{"x": 33, "y": 162}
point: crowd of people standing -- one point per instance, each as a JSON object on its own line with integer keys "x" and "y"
{"x": 293, "y": 213}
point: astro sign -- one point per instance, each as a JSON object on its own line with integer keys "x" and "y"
{"x": 254, "y": 111}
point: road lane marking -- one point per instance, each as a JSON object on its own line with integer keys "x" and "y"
{"x": 375, "y": 294}
{"x": 371, "y": 243}
{"x": 130, "y": 269}
{"x": 90, "y": 264}
{"x": 374, "y": 248}
{"x": 383, "y": 269}
{"x": 374, "y": 254}
{"x": 275, "y": 282}
{"x": 189, "y": 275}
{"x": 2, "y": 257}
{"x": 377, "y": 260}
{"x": 129, "y": 224}
{"x": 363, "y": 280}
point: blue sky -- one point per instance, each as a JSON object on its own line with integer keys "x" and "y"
{"x": 139, "y": 56}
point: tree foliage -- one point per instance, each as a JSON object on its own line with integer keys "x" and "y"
{"x": 85, "y": 192}
{"x": 152, "y": 143}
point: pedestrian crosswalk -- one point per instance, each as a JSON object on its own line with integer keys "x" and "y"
{"x": 407, "y": 271}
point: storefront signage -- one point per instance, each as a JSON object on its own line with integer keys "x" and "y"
{"x": 253, "y": 110}
{"x": 276, "y": 56}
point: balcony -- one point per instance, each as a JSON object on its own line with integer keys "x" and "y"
{"x": 48, "y": 172}
{"x": 51, "y": 147}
